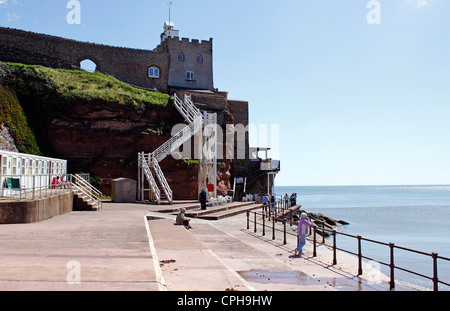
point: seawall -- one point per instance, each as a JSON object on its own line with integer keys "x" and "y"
{"x": 22, "y": 212}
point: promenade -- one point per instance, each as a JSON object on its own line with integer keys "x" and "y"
{"x": 133, "y": 247}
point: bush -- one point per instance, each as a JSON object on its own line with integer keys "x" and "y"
{"x": 13, "y": 116}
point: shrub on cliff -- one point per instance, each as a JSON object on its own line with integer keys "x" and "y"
{"x": 12, "y": 115}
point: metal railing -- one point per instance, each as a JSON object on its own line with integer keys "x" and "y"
{"x": 162, "y": 179}
{"x": 149, "y": 164}
{"x": 81, "y": 185}
{"x": 187, "y": 109}
{"x": 154, "y": 190}
{"x": 35, "y": 187}
{"x": 32, "y": 187}
{"x": 333, "y": 233}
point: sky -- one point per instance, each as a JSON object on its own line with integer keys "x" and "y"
{"x": 359, "y": 89}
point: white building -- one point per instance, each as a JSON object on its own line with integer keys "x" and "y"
{"x": 25, "y": 172}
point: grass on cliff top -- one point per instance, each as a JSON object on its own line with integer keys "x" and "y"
{"x": 80, "y": 84}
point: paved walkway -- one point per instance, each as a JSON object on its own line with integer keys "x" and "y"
{"x": 118, "y": 249}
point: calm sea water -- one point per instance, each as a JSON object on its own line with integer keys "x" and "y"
{"x": 416, "y": 217}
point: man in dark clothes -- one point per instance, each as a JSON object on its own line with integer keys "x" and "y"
{"x": 202, "y": 198}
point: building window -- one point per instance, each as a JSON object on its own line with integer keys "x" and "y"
{"x": 181, "y": 57}
{"x": 199, "y": 59}
{"x": 154, "y": 72}
{"x": 190, "y": 75}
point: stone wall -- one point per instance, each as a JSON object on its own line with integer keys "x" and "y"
{"x": 125, "y": 64}
{"x": 21, "y": 212}
{"x": 203, "y": 71}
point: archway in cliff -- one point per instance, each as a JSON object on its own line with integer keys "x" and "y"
{"x": 88, "y": 65}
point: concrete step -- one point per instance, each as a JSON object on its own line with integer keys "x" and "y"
{"x": 81, "y": 204}
{"x": 232, "y": 211}
{"x": 175, "y": 208}
{"x": 198, "y": 213}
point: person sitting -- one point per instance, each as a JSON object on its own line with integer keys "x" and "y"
{"x": 61, "y": 183}
{"x": 54, "y": 183}
{"x": 182, "y": 220}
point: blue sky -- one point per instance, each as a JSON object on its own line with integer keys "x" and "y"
{"x": 357, "y": 104}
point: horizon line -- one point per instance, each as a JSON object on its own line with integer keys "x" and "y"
{"x": 365, "y": 185}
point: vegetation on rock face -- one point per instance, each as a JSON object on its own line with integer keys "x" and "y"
{"x": 12, "y": 115}
{"x": 22, "y": 87}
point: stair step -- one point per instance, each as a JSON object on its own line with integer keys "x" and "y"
{"x": 230, "y": 212}
{"x": 175, "y": 209}
{"x": 198, "y": 213}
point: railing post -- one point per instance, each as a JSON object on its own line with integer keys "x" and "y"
{"x": 392, "y": 266}
{"x": 314, "y": 242}
{"x": 255, "y": 222}
{"x": 284, "y": 232}
{"x": 273, "y": 228}
{"x": 435, "y": 273}
{"x": 323, "y": 232}
{"x": 248, "y": 220}
{"x": 360, "y": 272}
{"x": 264, "y": 225}
{"x": 34, "y": 184}
{"x": 334, "y": 248}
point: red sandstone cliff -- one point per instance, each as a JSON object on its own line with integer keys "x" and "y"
{"x": 102, "y": 136}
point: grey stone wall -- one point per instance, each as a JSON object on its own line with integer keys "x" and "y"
{"x": 203, "y": 78}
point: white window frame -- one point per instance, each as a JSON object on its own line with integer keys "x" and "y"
{"x": 154, "y": 76}
{"x": 190, "y": 75}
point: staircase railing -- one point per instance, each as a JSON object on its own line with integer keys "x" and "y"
{"x": 187, "y": 108}
{"x": 194, "y": 118}
{"x": 149, "y": 176}
{"x": 162, "y": 179}
{"x": 173, "y": 143}
{"x": 80, "y": 184}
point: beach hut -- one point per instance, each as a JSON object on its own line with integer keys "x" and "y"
{"x": 25, "y": 172}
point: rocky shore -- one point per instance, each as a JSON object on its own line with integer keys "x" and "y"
{"x": 322, "y": 222}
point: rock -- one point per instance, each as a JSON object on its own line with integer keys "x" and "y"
{"x": 319, "y": 220}
{"x": 329, "y": 220}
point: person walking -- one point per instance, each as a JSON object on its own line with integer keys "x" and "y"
{"x": 202, "y": 198}
{"x": 302, "y": 230}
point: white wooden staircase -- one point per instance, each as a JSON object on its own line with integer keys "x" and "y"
{"x": 159, "y": 189}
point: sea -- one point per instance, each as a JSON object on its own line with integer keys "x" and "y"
{"x": 414, "y": 217}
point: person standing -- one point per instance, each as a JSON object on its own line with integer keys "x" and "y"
{"x": 272, "y": 205}
{"x": 286, "y": 200}
{"x": 302, "y": 230}
{"x": 202, "y": 198}
{"x": 265, "y": 200}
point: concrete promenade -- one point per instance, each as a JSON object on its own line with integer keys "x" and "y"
{"x": 118, "y": 249}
